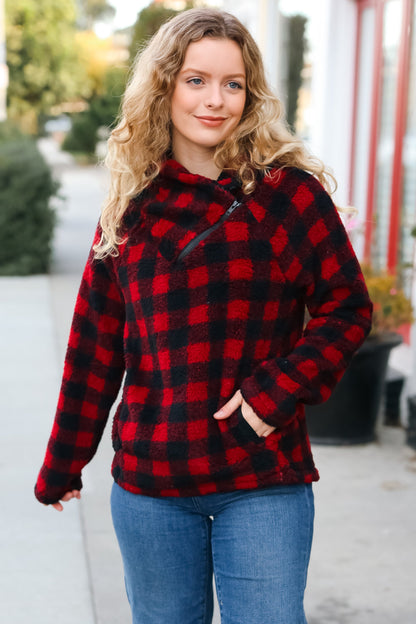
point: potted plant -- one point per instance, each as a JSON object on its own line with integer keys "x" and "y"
{"x": 349, "y": 416}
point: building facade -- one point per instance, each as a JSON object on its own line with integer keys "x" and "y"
{"x": 361, "y": 114}
{"x": 383, "y": 143}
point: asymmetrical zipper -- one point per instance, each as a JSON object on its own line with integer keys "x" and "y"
{"x": 195, "y": 241}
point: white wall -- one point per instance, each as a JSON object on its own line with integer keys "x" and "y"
{"x": 333, "y": 88}
{"x": 262, "y": 19}
{"x": 333, "y": 34}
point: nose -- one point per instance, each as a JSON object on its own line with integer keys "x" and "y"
{"x": 214, "y": 97}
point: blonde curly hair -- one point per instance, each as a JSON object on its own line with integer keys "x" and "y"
{"x": 140, "y": 142}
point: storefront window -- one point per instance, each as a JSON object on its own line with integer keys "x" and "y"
{"x": 364, "y": 110}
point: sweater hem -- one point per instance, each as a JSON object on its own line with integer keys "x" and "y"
{"x": 250, "y": 482}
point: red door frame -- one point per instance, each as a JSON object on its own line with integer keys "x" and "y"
{"x": 400, "y": 131}
{"x": 400, "y": 124}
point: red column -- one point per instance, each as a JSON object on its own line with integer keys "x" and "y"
{"x": 400, "y": 131}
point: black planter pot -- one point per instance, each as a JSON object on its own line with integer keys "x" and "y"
{"x": 349, "y": 416}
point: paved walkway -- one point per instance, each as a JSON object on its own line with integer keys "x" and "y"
{"x": 65, "y": 568}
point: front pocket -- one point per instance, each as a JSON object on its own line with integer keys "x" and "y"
{"x": 115, "y": 438}
{"x": 240, "y": 449}
{"x": 243, "y": 431}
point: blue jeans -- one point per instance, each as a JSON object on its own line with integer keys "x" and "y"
{"x": 256, "y": 543}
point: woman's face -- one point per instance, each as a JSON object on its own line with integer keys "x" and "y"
{"x": 209, "y": 95}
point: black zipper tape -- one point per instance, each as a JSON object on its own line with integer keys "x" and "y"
{"x": 195, "y": 241}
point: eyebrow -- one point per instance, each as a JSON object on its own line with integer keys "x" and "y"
{"x": 203, "y": 73}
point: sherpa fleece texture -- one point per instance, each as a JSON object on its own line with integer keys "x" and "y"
{"x": 189, "y": 332}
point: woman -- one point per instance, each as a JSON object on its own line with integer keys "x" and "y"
{"x": 216, "y": 235}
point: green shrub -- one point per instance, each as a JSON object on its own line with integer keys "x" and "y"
{"x": 10, "y": 132}
{"x": 104, "y": 107}
{"x": 26, "y": 217}
{"x": 82, "y": 136}
{"x": 102, "y": 110}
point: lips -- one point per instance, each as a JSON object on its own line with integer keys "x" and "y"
{"x": 211, "y": 121}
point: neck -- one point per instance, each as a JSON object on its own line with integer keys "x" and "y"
{"x": 200, "y": 162}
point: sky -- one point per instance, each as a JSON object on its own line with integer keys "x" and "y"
{"x": 295, "y": 6}
{"x": 126, "y": 14}
{"x": 127, "y": 11}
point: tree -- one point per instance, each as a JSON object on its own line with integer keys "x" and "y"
{"x": 105, "y": 106}
{"x": 106, "y": 75}
{"x": 148, "y": 22}
{"x": 101, "y": 113}
{"x": 42, "y": 58}
{"x": 90, "y": 11}
{"x": 96, "y": 56}
{"x": 297, "y": 45}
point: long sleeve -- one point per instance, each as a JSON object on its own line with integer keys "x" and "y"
{"x": 337, "y": 299}
{"x": 93, "y": 371}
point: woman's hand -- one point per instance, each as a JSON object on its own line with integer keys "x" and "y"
{"x": 66, "y": 497}
{"x": 260, "y": 427}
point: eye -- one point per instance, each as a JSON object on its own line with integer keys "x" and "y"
{"x": 235, "y": 85}
{"x": 195, "y": 81}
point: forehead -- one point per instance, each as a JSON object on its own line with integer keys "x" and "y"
{"x": 212, "y": 53}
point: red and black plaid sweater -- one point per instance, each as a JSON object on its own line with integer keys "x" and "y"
{"x": 208, "y": 296}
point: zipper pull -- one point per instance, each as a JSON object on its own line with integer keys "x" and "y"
{"x": 231, "y": 209}
{"x": 195, "y": 241}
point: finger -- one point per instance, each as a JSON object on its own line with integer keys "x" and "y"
{"x": 260, "y": 427}
{"x": 57, "y": 506}
{"x": 74, "y": 494}
{"x": 71, "y": 494}
{"x": 266, "y": 431}
{"x": 67, "y": 496}
{"x": 230, "y": 406}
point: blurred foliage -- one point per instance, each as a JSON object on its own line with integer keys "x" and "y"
{"x": 102, "y": 111}
{"x": 105, "y": 105}
{"x": 296, "y": 52}
{"x": 42, "y": 57}
{"x": 91, "y": 11}
{"x": 106, "y": 77}
{"x": 392, "y": 308}
{"x": 82, "y": 137}
{"x": 149, "y": 20}
{"x": 26, "y": 217}
{"x": 95, "y": 56}
{"x": 10, "y": 132}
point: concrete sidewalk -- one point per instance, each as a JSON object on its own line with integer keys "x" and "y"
{"x": 44, "y": 573}
{"x": 66, "y": 568}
